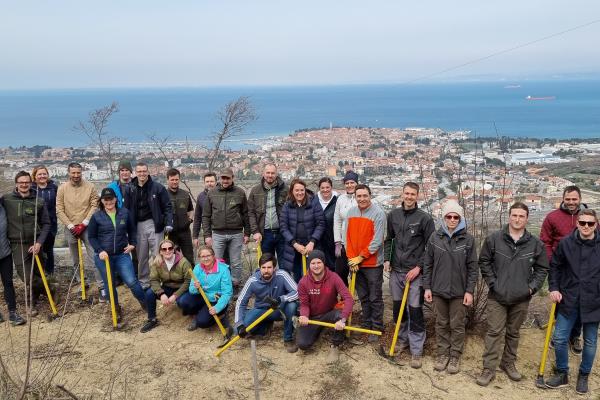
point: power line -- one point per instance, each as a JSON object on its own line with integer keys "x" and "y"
{"x": 520, "y": 46}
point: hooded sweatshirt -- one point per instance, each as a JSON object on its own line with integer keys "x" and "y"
{"x": 320, "y": 297}
{"x": 344, "y": 203}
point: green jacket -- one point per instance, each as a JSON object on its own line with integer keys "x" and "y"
{"x": 20, "y": 215}
{"x": 225, "y": 211}
{"x": 182, "y": 204}
{"x": 177, "y": 278}
{"x": 257, "y": 203}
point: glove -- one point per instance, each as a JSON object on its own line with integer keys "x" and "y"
{"x": 338, "y": 249}
{"x": 241, "y": 331}
{"x": 168, "y": 229}
{"x": 355, "y": 261}
{"x": 78, "y": 230}
{"x": 273, "y": 303}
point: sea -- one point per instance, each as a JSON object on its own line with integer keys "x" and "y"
{"x": 564, "y": 109}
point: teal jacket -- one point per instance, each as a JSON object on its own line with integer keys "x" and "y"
{"x": 217, "y": 285}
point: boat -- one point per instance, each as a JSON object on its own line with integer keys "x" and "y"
{"x": 532, "y": 98}
{"x": 512, "y": 86}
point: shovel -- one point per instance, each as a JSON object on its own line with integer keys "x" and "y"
{"x": 539, "y": 382}
{"x": 45, "y": 281}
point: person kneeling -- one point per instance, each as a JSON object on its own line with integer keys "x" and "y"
{"x": 271, "y": 288}
{"x": 318, "y": 292}
{"x": 170, "y": 274}
{"x": 214, "y": 278}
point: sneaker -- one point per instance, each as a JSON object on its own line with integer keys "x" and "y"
{"x": 575, "y": 346}
{"x": 441, "y": 362}
{"x": 559, "y": 379}
{"x": 102, "y": 296}
{"x": 290, "y": 346}
{"x": 551, "y": 344}
{"x": 372, "y": 338}
{"x": 487, "y": 375}
{"x": 192, "y": 326}
{"x": 416, "y": 362}
{"x": 149, "y": 325}
{"x": 334, "y": 355}
{"x": 15, "y": 319}
{"x": 34, "y": 311}
{"x": 454, "y": 365}
{"x": 357, "y": 340}
{"x": 511, "y": 371}
{"x": 582, "y": 383}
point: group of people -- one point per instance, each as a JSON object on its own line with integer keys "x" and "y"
{"x": 311, "y": 245}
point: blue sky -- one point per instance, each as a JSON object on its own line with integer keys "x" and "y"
{"x": 79, "y": 44}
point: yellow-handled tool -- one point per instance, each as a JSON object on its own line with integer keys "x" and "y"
{"x": 43, "y": 275}
{"x": 539, "y": 382}
{"x": 81, "y": 269}
{"x": 248, "y": 329}
{"x": 303, "y": 265}
{"x": 352, "y": 289}
{"x": 208, "y": 305}
{"x": 348, "y": 328}
{"x": 399, "y": 319}
{"x": 113, "y": 310}
{"x": 258, "y": 253}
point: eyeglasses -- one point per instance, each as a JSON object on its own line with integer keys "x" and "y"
{"x": 588, "y": 223}
{"x": 166, "y": 248}
{"x": 24, "y": 183}
{"x": 452, "y": 217}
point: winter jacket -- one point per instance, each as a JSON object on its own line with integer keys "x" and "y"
{"x": 198, "y": 214}
{"x": 281, "y": 286}
{"x": 216, "y": 285}
{"x": 158, "y": 201}
{"x": 557, "y": 225}
{"x": 4, "y": 243}
{"x": 327, "y": 242}
{"x": 49, "y": 195}
{"x": 320, "y": 297}
{"x": 20, "y": 215}
{"x": 450, "y": 263}
{"x": 365, "y": 230}
{"x": 225, "y": 211}
{"x": 575, "y": 273}
{"x": 511, "y": 269}
{"x": 314, "y": 225}
{"x": 75, "y": 204}
{"x": 122, "y": 190}
{"x": 104, "y": 236}
{"x": 343, "y": 204}
{"x": 178, "y": 277}
{"x": 408, "y": 231}
{"x": 257, "y": 202}
{"x": 181, "y": 203}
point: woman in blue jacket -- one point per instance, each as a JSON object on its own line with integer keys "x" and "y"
{"x": 112, "y": 234}
{"x": 302, "y": 224}
{"x": 214, "y": 277}
{"x": 46, "y": 189}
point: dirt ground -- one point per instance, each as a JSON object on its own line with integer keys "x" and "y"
{"x": 82, "y": 355}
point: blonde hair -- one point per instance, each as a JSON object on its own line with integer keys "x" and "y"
{"x": 158, "y": 259}
{"x": 36, "y": 169}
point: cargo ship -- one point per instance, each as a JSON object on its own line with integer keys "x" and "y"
{"x": 540, "y": 98}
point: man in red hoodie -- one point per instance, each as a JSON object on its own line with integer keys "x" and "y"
{"x": 558, "y": 224}
{"x": 318, "y": 292}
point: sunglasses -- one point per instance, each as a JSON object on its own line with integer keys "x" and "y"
{"x": 588, "y": 223}
{"x": 166, "y": 248}
{"x": 453, "y": 217}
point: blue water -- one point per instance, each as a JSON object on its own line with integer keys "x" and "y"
{"x": 46, "y": 117}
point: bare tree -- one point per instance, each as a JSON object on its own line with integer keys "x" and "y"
{"x": 161, "y": 144}
{"x": 95, "y": 128}
{"x": 234, "y": 117}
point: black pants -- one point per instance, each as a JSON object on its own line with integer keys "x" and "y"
{"x": 6, "y": 272}
{"x": 341, "y": 266}
{"x": 23, "y": 261}
{"x": 48, "y": 249}
{"x": 183, "y": 239}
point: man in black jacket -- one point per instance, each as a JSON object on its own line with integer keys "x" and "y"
{"x": 514, "y": 265}
{"x": 183, "y": 211}
{"x": 575, "y": 284}
{"x": 152, "y": 211}
{"x": 210, "y": 181}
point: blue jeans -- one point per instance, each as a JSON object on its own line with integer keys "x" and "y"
{"x": 193, "y": 304}
{"x": 272, "y": 242}
{"x": 152, "y": 298}
{"x": 562, "y": 331}
{"x": 289, "y": 309}
{"x": 232, "y": 244}
{"x": 121, "y": 264}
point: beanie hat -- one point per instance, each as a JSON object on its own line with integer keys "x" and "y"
{"x": 316, "y": 254}
{"x": 452, "y": 206}
{"x": 350, "y": 176}
{"x": 124, "y": 164}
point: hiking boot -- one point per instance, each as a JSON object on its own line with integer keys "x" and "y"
{"x": 33, "y": 310}
{"x": 416, "y": 362}
{"x": 290, "y": 346}
{"x": 372, "y": 338}
{"x": 15, "y": 319}
{"x": 487, "y": 375}
{"x": 511, "y": 371}
{"x": 401, "y": 347}
{"x": 334, "y": 355}
{"x": 441, "y": 362}
{"x": 582, "y": 383}
{"x": 357, "y": 340}
{"x": 192, "y": 326}
{"x": 575, "y": 346}
{"x": 559, "y": 379}
{"x": 149, "y": 325}
{"x": 453, "y": 365}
